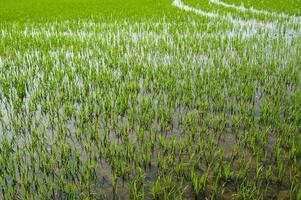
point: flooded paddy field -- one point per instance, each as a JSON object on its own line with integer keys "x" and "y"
{"x": 150, "y": 100}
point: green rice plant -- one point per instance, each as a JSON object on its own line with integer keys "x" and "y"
{"x": 227, "y": 172}
{"x": 198, "y": 182}
{"x": 269, "y": 173}
{"x": 247, "y": 190}
{"x": 280, "y": 171}
{"x": 165, "y": 188}
{"x": 155, "y": 190}
{"x": 258, "y": 172}
{"x": 293, "y": 153}
{"x": 299, "y": 194}
{"x": 137, "y": 186}
{"x": 214, "y": 189}
{"x": 114, "y": 183}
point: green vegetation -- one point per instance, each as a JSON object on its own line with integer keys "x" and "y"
{"x": 289, "y": 7}
{"x": 54, "y": 10}
{"x": 116, "y": 99}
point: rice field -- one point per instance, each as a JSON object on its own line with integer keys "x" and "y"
{"x": 150, "y": 99}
